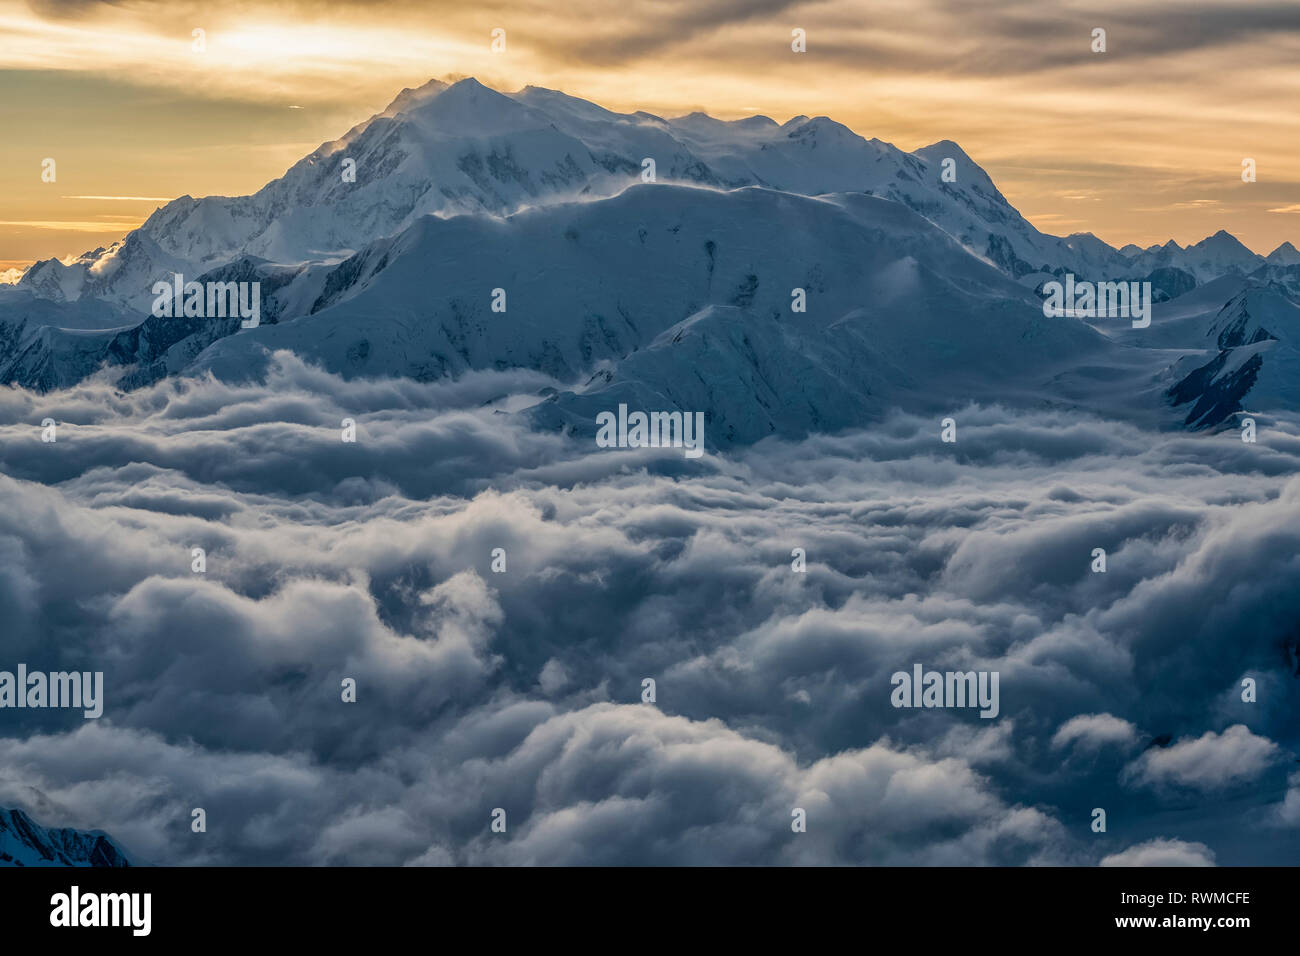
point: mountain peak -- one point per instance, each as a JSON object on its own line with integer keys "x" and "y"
{"x": 469, "y": 83}
{"x": 936, "y": 153}
{"x": 467, "y": 89}
{"x": 945, "y": 146}
{"x": 1285, "y": 255}
{"x": 468, "y": 107}
{"x": 1224, "y": 243}
{"x": 470, "y": 90}
{"x": 409, "y": 97}
{"x": 825, "y": 122}
{"x": 1223, "y": 239}
{"x": 696, "y": 118}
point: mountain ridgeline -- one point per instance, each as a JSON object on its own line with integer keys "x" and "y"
{"x": 782, "y": 278}
{"x": 23, "y": 842}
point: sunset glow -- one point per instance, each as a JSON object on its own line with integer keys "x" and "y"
{"x": 1166, "y": 119}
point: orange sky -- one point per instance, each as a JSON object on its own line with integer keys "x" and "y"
{"x": 1140, "y": 144}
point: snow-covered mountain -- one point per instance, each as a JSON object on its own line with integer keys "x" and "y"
{"x": 685, "y": 295}
{"x": 1254, "y": 363}
{"x": 444, "y": 150}
{"x": 1282, "y": 279}
{"x": 23, "y": 842}
{"x": 918, "y": 273}
{"x": 1284, "y": 255}
{"x": 1217, "y": 255}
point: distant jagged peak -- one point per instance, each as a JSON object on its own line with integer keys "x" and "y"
{"x": 701, "y": 121}
{"x": 1222, "y": 241}
{"x": 1085, "y": 240}
{"x": 695, "y": 116}
{"x": 1284, "y": 255}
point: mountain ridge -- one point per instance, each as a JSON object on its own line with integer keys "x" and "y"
{"x": 24, "y": 842}
{"x": 447, "y": 149}
{"x": 356, "y": 275}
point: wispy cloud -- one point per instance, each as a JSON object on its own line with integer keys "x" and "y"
{"x": 125, "y": 198}
{"x": 75, "y": 225}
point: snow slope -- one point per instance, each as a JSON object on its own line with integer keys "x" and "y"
{"x": 639, "y": 294}
{"x": 1254, "y": 362}
{"x": 23, "y": 842}
{"x": 1284, "y": 255}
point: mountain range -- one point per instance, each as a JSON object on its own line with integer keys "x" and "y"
{"x": 380, "y": 253}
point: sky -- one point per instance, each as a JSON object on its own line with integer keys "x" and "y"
{"x": 1141, "y": 143}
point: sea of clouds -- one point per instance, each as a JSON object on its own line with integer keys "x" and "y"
{"x": 522, "y": 690}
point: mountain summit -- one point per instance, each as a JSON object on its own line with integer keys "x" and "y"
{"x": 466, "y": 148}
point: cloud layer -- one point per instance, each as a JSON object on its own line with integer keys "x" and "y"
{"x": 522, "y": 690}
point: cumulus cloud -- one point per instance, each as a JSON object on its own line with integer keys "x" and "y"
{"x": 1162, "y": 853}
{"x": 1210, "y": 762}
{"x": 522, "y": 690}
{"x": 1288, "y": 812}
{"x": 1092, "y": 731}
